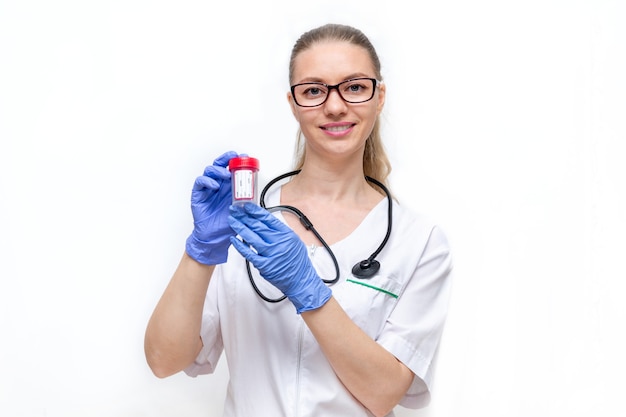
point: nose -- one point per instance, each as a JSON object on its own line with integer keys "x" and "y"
{"x": 334, "y": 103}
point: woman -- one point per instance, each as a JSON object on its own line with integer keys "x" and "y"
{"x": 357, "y": 347}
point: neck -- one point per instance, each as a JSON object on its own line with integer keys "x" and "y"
{"x": 329, "y": 183}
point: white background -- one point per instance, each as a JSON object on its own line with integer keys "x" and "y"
{"x": 504, "y": 121}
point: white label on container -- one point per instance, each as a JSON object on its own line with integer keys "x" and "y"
{"x": 244, "y": 184}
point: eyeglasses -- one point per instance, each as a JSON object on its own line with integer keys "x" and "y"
{"x": 355, "y": 90}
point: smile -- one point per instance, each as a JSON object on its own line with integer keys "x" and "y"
{"x": 338, "y": 127}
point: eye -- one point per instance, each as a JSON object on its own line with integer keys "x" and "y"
{"x": 356, "y": 87}
{"x": 313, "y": 90}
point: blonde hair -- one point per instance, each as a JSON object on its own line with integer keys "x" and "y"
{"x": 375, "y": 161}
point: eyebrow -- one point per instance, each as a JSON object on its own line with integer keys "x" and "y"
{"x": 320, "y": 80}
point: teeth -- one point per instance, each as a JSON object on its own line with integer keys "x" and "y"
{"x": 338, "y": 128}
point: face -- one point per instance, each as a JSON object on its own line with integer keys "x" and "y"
{"x": 336, "y": 128}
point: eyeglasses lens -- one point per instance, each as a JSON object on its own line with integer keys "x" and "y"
{"x": 357, "y": 90}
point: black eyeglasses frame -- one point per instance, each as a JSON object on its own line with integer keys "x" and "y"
{"x": 374, "y": 81}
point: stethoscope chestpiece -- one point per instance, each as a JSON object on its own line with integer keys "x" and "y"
{"x": 366, "y": 269}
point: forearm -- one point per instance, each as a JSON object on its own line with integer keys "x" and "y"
{"x": 372, "y": 374}
{"x": 172, "y": 339}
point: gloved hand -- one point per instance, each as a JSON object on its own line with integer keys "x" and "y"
{"x": 280, "y": 256}
{"x": 210, "y": 198}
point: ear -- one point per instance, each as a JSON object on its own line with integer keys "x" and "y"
{"x": 382, "y": 90}
{"x": 293, "y": 106}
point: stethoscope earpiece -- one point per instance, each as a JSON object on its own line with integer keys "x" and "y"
{"x": 366, "y": 269}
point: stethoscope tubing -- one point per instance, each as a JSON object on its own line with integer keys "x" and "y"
{"x": 360, "y": 270}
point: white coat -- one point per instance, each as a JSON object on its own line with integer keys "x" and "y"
{"x": 275, "y": 365}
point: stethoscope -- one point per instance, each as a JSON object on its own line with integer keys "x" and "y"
{"x": 365, "y": 269}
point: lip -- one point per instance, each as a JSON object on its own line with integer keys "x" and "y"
{"x": 338, "y": 128}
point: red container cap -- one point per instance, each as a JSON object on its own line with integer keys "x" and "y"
{"x": 243, "y": 162}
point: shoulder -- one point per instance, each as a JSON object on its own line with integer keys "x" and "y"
{"x": 405, "y": 216}
{"x": 417, "y": 227}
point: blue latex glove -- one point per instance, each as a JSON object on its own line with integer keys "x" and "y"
{"x": 280, "y": 256}
{"x": 210, "y": 198}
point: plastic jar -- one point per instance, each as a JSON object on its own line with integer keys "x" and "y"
{"x": 244, "y": 174}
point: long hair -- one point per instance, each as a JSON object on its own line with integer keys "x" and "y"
{"x": 375, "y": 161}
